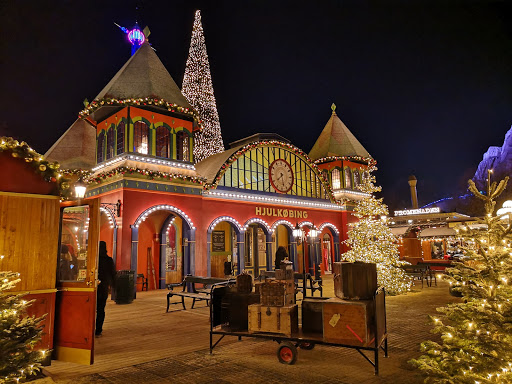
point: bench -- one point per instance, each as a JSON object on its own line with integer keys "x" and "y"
{"x": 190, "y": 290}
{"x": 418, "y": 272}
{"x": 311, "y": 283}
{"x": 435, "y": 267}
{"x": 143, "y": 281}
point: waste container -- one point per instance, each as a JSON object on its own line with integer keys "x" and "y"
{"x": 125, "y": 287}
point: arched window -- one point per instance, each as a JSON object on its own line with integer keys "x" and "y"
{"x": 335, "y": 177}
{"x": 357, "y": 179}
{"x": 120, "y": 138}
{"x": 100, "y": 147}
{"x": 111, "y": 142}
{"x": 163, "y": 145}
{"x": 348, "y": 178}
{"x": 182, "y": 146}
{"x": 141, "y": 137}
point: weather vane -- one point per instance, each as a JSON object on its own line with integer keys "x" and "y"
{"x": 136, "y": 37}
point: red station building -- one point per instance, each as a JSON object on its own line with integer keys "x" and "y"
{"x": 164, "y": 215}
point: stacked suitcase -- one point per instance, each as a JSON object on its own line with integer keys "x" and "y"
{"x": 277, "y": 311}
{"x": 235, "y": 303}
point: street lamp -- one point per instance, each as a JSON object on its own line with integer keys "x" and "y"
{"x": 80, "y": 188}
{"x": 298, "y": 233}
{"x": 313, "y": 234}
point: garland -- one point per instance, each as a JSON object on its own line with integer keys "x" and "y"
{"x": 171, "y": 107}
{"x": 49, "y": 171}
{"x": 276, "y": 143}
{"x": 149, "y": 174}
{"x": 366, "y": 160}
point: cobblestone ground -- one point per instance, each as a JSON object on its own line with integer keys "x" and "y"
{"x": 255, "y": 360}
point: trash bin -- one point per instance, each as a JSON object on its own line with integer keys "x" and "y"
{"x": 125, "y": 287}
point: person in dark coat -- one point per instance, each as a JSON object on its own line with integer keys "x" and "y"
{"x": 281, "y": 255}
{"x": 106, "y": 277}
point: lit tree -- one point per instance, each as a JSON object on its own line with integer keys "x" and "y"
{"x": 476, "y": 333}
{"x": 371, "y": 240}
{"x": 19, "y": 334}
{"x": 198, "y": 89}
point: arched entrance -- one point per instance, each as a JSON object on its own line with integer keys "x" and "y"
{"x": 225, "y": 245}
{"x": 258, "y": 245}
{"x": 108, "y": 230}
{"x": 157, "y": 230}
{"x": 330, "y": 246}
{"x": 282, "y": 236}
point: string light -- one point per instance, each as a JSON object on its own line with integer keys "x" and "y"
{"x": 198, "y": 90}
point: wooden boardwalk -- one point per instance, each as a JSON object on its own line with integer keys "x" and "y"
{"x": 142, "y": 336}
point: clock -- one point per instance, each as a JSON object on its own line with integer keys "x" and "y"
{"x": 281, "y": 175}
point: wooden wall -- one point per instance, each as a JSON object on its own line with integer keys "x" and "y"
{"x": 29, "y": 236}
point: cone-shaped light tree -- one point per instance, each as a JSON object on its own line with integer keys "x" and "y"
{"x": 475, "y": 344}
{"x": 371, "y": 240}
{"x": 198, "y": 89}
{"x": 19, "y": 334}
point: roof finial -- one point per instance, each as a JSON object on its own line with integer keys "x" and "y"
{"x": 333, "y": 107}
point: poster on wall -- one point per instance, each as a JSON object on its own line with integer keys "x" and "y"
{"x": 218, "y": 241}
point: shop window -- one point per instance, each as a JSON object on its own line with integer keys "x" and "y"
{"x": 182, "y": 146}
{"x": 74, "y": 240}
{"x": 141, "y": 137}
{"x": 348, "y": 178}
{"x": 335, "y": 177}
{"x": 357, "y": 179}
{"x": 120, "y": 138}
{"x": 111, "y": 142}
{"x": 163, "y": 145}
{"x": 100, "y": 147}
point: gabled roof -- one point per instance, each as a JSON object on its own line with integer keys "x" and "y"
{"x": 209, "y": 167}
{"x": 76, "y": 148}
{"x": 337, "y": 140}
{"x": 144, "y": 75}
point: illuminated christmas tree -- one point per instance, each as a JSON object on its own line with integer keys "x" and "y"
{"x": 476, "y": 332}
{"x": 19, "y": 334}
{"x": 198, "y": 89}
{"x": 371, "y": 240}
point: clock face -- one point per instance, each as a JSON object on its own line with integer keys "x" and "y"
{"x": 281, "y": 175}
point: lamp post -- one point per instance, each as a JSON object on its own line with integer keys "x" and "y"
{"x": 298, "y": 233}
{"x": 313, "y": 233}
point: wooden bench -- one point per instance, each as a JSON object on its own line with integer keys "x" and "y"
{"x": 311, "y": 283}
{"x": 435, "y": 267}
{"x": 190, "y": 290}
{"x": 417, "y": 272}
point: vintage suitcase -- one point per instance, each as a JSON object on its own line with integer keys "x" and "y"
{"x": 355, "y": 280}
{"x": 349, "y": 322}
{"x": 281, "y": 320}
{"x": 235, "y": 310}
{"x": 312, "y": 315}
{"x": 244, "y": 283}
{"x": 277, "y": 292}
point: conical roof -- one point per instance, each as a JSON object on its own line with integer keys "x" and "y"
{"x": 144, "y": 75}
{"x": 337, "y": 140}
{"x": 76, "y": 148}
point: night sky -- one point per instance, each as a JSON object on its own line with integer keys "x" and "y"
{"x": 425, "y": 86}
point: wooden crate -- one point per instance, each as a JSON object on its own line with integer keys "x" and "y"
{"x": 277, "y": 292}
{"x": 349, "y": 321}
{"x": 312, "y": 315}
{"x": 355, "y": 280}
{"x": 281, "y": 320}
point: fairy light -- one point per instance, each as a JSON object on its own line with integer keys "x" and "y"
{"x": 198, "y": 90}
{"x": 229, "y": 219}
{"x": 163, "y": 207}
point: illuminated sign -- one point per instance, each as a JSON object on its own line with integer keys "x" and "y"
{"x": 136, "y": 36}
{"x": 276, "y": 212}
{"x": 419, "y": 211}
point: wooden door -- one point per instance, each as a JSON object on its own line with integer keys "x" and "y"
{"x": 75, "y": 313}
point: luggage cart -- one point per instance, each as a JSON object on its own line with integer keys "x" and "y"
{"x": 287, "y": 350}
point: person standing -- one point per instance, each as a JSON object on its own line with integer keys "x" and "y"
{"x": 106, "y": 277}
{"x": 281, "y": 255}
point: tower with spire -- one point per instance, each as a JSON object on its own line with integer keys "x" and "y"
{"x": 198, "y": 89}
{"x": 341, "y": 157}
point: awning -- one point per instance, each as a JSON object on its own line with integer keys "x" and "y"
{"x": 399, "y": 231}
{"x": 438, "y": 232}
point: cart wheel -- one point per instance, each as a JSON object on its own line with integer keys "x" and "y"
{"x": 307, "y": 346}
{"x": 287, "y": 353}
